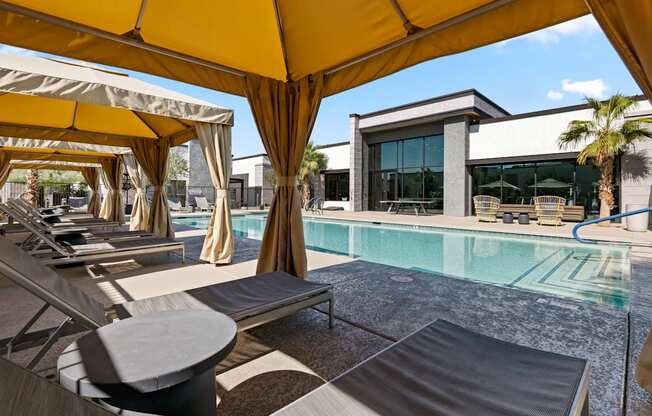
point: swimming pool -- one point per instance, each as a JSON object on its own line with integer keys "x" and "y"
{"x": 557, "y": 266}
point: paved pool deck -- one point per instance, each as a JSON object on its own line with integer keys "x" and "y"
{"x": 375, "y": 305}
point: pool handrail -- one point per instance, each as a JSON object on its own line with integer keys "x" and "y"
{"x": 599, "y": 220}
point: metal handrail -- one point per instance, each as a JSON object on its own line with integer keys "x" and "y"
{"x": 609, "y": 218}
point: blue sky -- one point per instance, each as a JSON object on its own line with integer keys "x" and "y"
{"x": 554, "y": 67}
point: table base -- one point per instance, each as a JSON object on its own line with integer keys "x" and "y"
{"x": 195, "y": 397}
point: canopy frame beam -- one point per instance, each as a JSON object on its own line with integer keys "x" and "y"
{"x": 487, "y": 8}
{"x": 281, "y": 35}
{"x": 117, "y": 38}
{"x": 409, "y": 27}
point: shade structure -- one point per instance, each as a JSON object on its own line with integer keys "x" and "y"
{"x": 500, "y": 184}
{"x": 337, "y": 44}
{"x": 551, "y": 183}
{"x": 74, "y": 112}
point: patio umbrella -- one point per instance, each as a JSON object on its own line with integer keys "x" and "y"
{"x": 500, "y": 184}
{"x": 551, "y": 183}
{"x": 284, "y": 56}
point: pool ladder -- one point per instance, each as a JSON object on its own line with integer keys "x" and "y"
{"x": 609, "y": 218}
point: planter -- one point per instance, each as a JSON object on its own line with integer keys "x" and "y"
{"x": 638, "y": 222}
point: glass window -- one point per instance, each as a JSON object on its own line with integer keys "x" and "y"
{"x": 433, "y": 188}
{"x": 486, "y": 180}
{"x": 388, "y": 155}
{"x": 518, "y": 183}
{"x": 587, "y": 178}
{"x": 412, "y": 183}
{"x": 336, "y": 186}
{"x": 383, "y": 186}
{"x": 434, "y": 150}
{"x": 413, "y": 153}
{"x": 556, "y": 179}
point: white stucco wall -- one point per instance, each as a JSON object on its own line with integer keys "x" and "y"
{"x": 535, "y": 135}
{"x": 248, "y": 166}
{"x": 338, "y": 156}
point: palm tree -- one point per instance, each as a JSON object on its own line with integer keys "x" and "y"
{"x": 609, "y": 135}
{"x": 313, "y": 162}
{"x": 33, "y": 184}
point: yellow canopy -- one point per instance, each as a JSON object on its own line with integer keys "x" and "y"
{"x": 214, "y": 44}
{"x": 46, "y": 99}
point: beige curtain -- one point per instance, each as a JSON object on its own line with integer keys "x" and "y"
{"x": 139, "y": 209}
{"x": 284, "y": 114}
{"x": 215, "y": 142}
{"x": 152, "y": 156}
{"x": 92, "y": 177}
{"x": 627, "y": 25}
{"x": 112, "y": 208}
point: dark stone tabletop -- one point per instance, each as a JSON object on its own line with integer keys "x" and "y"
{"x": 146, "y": 353}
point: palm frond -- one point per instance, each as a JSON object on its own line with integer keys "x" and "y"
{"x": 578, "y": 131}
{"x": 619, "y": 105}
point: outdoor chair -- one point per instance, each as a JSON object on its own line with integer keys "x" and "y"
{"x": 486, "y": 207}
{"x": 23, "y": 393}
{"x": 202, "y": 204}
{"x": 67, "y": 252}
{"x": 446, "y": 370}
{"x": 250, "y": 301}
{"x": 549, "y": 209}
{"x": 58, "y": 219}
{"x": 314, "y": 205}
{"x": 177, "y": 207}
{"x": 59, "y": 229}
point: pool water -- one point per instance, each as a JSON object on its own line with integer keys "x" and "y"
{"x": 556, "y": 266}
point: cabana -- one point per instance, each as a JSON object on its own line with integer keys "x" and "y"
{"x": 72, "y": 113}
{"x": 286, "y": 56}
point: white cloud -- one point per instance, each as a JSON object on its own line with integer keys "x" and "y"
{"x": 555, "y": 95}
{"x": 592, "y": 88}
{"x": 12, "y": 50}
{"x": 582, "y": 26}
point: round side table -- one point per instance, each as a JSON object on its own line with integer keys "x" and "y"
{"x": 523, "y": 218}
{"x": 161, "y": 363}
{"x": 508, "y": 218}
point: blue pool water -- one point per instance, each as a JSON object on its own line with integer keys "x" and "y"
{"x": 561, "y": 267}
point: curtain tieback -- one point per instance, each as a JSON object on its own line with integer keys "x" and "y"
{"x": 286, "y": 181}
{"x": 221, "y": 193}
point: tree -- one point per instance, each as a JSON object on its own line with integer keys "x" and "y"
{"x": 609, "y": 135}
{"x": 31, "y": 195}
{"x": 313, "y": 162}
{"x": 177, "y": 167}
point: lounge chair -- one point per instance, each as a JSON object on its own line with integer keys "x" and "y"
{"x": 176, "y": 206}
{"x": 66, "y": 252}
{"x": 446, "y": 370}
{"x": 23, "y": 393}
{"x": 202, "y": 204}
{"x": 486, "y": 207}
{"x": 70, "y": 233}
{"x": 251, "y": 301}
{"x": 58, "y": 219}
{"x": 549, "y": 209}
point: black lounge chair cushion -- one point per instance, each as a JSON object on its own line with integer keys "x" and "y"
{"x": 446, "y": 370}
{"x": 238, "y": 299}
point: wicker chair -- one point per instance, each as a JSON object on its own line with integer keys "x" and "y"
{"x": 549, "y": 209}
{"x": 486, "y": 207}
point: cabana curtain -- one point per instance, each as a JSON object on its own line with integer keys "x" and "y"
{"x": 139, "y": 209}
{"x": 285, "y": 114}
{"x": 215, "y": 142}
{"x": 112, "y": 209}
{"x": 92, "y": 178}
{"x": 152, "y": 156}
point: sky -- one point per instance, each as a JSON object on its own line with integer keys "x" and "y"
{"x": 553, "y": 67}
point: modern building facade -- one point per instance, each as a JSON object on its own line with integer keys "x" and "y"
{"x": 446, "y": 149}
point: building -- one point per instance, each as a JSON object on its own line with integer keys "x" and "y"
{"x": 447, "y": 149}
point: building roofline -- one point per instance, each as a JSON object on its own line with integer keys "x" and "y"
{"x": 549, "y": 111}
{"x": 325, "y": 146}
{"x": 439, "y": 98}
{"x": 249, "y": 157}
